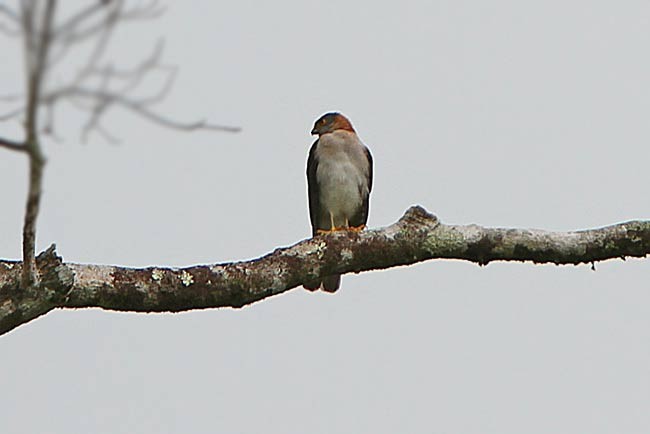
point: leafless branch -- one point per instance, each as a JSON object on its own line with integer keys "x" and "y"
{"x": 79, "y": 17}
{"x": 141, "y": 107}
{"x": 418, "y": 236}
{"x": 98, "y": 101}
{"x": 96, "y": 88}
{"x": 12, "y": 97}
{"x": 37, "y": 43}
{"x": 12, "y": 145}
{"x": 84, "y": 25}
{"x": 12, "y": 114}
{"x": 105, "y": 133}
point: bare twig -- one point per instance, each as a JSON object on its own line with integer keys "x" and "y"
{"x": 12, "y": 97}
{"x": 96, "y": 88}
{"x": 79, "y": 17}
{"x": 82, "y": 26}
{"x": 13, "y": 145}
{"x": 141, "y": 107}
{"x": 105, "y": 30}
{"x": 101, "y": 100}
{"x": 115, "y": 86}
{"x": 148, "y": 64}
{"x": 36, "y": 67}
{"x": 100, "y": 106}
{"x": 103, "y": 131}
{"x": 12, "y": 114}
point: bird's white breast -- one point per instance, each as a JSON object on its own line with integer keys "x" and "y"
{"x": 342, "y": 174}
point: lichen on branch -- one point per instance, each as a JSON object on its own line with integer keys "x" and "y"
{"x": 418, "y": 236}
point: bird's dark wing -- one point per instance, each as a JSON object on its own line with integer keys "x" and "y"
{"x": 312, "y": 188}
{"x": 369, "y": 157}
{"x": 361, "y": 217}
{"x": 314, "y": 211}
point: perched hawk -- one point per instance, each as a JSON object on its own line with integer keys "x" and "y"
{"x": 339, "y": 178}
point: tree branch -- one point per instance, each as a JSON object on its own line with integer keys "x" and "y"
{"x": 102, "y": 100}
{"x": 41, "y": 37}
{"x": 98, "y": 86}
{"x": 36, "y": 51}
{"x": 12, "y": 114}
{"x": 13, "y": 145}
{"x": 416, "y": 237}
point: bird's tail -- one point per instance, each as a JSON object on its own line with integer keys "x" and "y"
{"x": 332, "y": 283}
{"x": 329, "y": 284}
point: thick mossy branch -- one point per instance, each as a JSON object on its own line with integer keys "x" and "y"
{"x": 416, "y": 237}
{"x": 19, "y": 305}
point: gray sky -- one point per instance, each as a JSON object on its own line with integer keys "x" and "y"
{"x": 501, "y": 113}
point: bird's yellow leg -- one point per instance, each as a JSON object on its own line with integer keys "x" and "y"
{"x": 332, "y": 226}
{"x": 330, "y": 230}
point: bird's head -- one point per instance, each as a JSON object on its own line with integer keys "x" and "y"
{"x": 331, "y": 122}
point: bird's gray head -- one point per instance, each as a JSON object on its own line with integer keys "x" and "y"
{"x": 331, "y": 122}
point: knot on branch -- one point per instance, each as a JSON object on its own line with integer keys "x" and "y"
{"x": 416, "y": 215}
{"x": 54, "y": 275}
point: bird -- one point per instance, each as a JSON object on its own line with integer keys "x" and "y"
{"x": 339, "y": 181}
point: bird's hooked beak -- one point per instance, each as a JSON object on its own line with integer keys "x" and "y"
{"x": 314, "y": 131}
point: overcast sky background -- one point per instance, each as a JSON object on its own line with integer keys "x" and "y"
{"x": 501, "y": 113}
